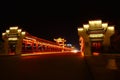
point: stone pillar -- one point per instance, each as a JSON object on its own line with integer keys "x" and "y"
{"x": 6, "y": 46}
{"x": 87, "y": 43}
{"x": 106, "y": 42}
{"x": 19, "y": 46}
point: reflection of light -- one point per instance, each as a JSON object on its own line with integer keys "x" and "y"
{"x": 96, "y": 53}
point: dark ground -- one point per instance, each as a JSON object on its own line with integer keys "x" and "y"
{"x": 58, "y": 67}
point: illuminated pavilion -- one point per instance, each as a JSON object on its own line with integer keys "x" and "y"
{"x": 94, "y": 37}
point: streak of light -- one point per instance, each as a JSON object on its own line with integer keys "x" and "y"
{"x": 42, "y": 53}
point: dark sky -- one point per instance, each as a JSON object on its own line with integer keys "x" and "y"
{"x": 53, "y": 19}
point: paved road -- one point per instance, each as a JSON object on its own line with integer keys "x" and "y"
{"x": 56, "y": 67}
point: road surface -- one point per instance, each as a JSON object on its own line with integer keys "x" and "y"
{"x": 57, "y": 67}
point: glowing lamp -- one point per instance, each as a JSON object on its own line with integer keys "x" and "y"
{"x": 23, "y": 33}
{"x": 95, "y": 22}
{"x": 80, "y": 29}
{"x": 111, "y": 28}
{"x": 7, "y": 31}
{"x": 11, "y": 28}
{"x": 19, "y": 30}
{"x": 12, "y": 39}
{"x": 86, "y": 26}
{"x": 105, "y": 25}
{"x": 3, "y": 34}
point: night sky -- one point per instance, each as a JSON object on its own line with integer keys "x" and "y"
{"x": 53, "y": 19}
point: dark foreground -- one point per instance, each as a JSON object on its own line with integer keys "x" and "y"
{"x": 59, "y": 67}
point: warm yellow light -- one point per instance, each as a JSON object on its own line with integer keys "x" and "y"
{"x": 95, "y": 22}
{"x": 28, "y": 38}
{"x": 60, "y": 40}
{"x": 74, "y": 50}
{"x": 23, "y": 33}
{"x": 82, "y": 54}
{"x": 111, "y": 28}
{"x": 19, "y": 30}
{"x": 96, "y": 53}
{"x": 7, "y": 31}
{"x": 96, "y": 35}
{"x": 82, "y": 44}
{"x": 12, "y": 39}
{"x": 104, "y": 25}
{"x": 80, "y": 29}
{"x": 3, "y": 34}
{"x": 13, "y": 28}
{"x": 86, "y": 26}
